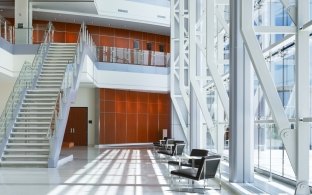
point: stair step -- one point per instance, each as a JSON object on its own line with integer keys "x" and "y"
{"x": 32, "y": 108}
{"x": 24, "y": 163}
{"x": 52, "y": 71}
{"x": 54, "y": 68}
{"x": 35, "y": 113}
{"x": 31, "y": 123}
{"x": 33, "y": 118}
{"x": 51, "y": 75}
{"x": 29, "y": 133}
{"x": 46, "y": 85}
{"x": 36, "y": 91}
{"x": 39, "y": 99}
{"x": 52, "y": 81}
{"x": 28, "y": 144}
{"x": 44, "y": 78}
{"x": 25, "y": 156}
{"x": 28, "y": 139}
{"x": 27, "y": 128}
{"x": 38, "y": 104}
{"x": 41, "y": 95}
{"x": 27, "y": 150}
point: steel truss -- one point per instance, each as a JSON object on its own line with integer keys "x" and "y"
{"x": 197, "y": 28}
{"x": 198, "y": 32}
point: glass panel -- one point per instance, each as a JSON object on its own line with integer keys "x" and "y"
{"x": 132, "y": 56}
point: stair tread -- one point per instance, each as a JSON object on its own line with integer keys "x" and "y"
{"x": 29, "y": 133}
{"x": 27, "y": 150}
{"x": 24, "y": 162}
{"x": 30, "y": 128}
{"x": 37, "y": 117}
{"x": 25, "y": 156}
{"x": 33, "y": 113}
{"x": 28, "y": 138}
{"x": 28, "y": 144}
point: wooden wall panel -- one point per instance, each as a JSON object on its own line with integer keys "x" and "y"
{"x": 71, "y": 37}
{"x": 132, "y": 126}
{"x": 133, "y": 117}
{"x": 107, "y": 41}
{"x": 121, "y": 134}
{"x": 121, "y": 42}
{"x": 153, "y": 131}
{"x": 142, "y": 128}
{"x": 110, "y": 130}
{"x": 107, "y": 31}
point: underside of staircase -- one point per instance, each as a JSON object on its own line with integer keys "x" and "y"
{"x": 28, "y": 143}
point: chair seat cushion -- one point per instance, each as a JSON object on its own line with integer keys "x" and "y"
{"x": 166, "y": 152}
{"x": 188, "y": 173}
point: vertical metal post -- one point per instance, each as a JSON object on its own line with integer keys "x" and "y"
{"x": 241, "y": 115}
{"x": 5, "y": 30}
{"x": 302, "y": 98}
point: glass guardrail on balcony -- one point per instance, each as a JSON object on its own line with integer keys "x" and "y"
{"x": 26, "y": 80}
{"x": 133, "y": 56}
{"x": 6, "y": 30}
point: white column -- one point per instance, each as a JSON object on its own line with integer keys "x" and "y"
{"x": 23, "y": 22}
{"x": 302, "y": 98}
{"x": 241, "y": 116}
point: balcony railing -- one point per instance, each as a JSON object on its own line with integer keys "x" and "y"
{"x": 6, "y": 30}
{"x": 133, "y": 56}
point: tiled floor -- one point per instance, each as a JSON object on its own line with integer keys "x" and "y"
{"x": 96, "y": 171}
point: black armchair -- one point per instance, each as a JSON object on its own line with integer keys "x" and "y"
{"x": 207, "y": 168}
{"x": 178, "y": 148}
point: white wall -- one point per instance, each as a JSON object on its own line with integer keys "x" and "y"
{"x": 10, "y": 65}
{"x": 86, "y": 98}
{"x": 6, "y": 88}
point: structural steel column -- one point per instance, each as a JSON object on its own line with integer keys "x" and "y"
{"x": 241, "y": 116}
{"x": 23, "y": 22}
{"x": 302, "y": 98}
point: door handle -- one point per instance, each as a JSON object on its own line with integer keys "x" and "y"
{"x": 73, "y": 130}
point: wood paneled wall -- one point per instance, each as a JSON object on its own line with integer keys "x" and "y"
{"x": 104, "y": 36}
{"x": 113, "y": 37}
{"x": 133, "y": 117}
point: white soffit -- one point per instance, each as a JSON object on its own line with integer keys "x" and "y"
{"x": 135, "y": 10}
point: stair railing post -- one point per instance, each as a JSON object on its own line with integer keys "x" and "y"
{"x": 5, "y": 30}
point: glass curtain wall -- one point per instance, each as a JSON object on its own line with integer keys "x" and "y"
{"x": 270, "y": 154}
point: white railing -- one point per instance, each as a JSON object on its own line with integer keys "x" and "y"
{"x": 6, "y": 30}
{"x": 132, "y": 56}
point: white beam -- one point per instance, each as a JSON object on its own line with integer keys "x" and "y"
{"x": 275, "y": 29}
{"x": 302, "y": 96}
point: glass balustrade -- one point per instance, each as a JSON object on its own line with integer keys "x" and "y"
{"x": 132, "y": 56}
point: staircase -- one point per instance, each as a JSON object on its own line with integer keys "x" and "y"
{"x": 28, "y": 144}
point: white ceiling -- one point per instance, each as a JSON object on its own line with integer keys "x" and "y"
{"x": 74, "y": 11}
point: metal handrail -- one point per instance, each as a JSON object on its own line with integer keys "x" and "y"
{"x": 26, "y": 80}
{"x": 6, "y": 29}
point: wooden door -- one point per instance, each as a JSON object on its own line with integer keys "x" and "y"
{"x": 77, "y": 126}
